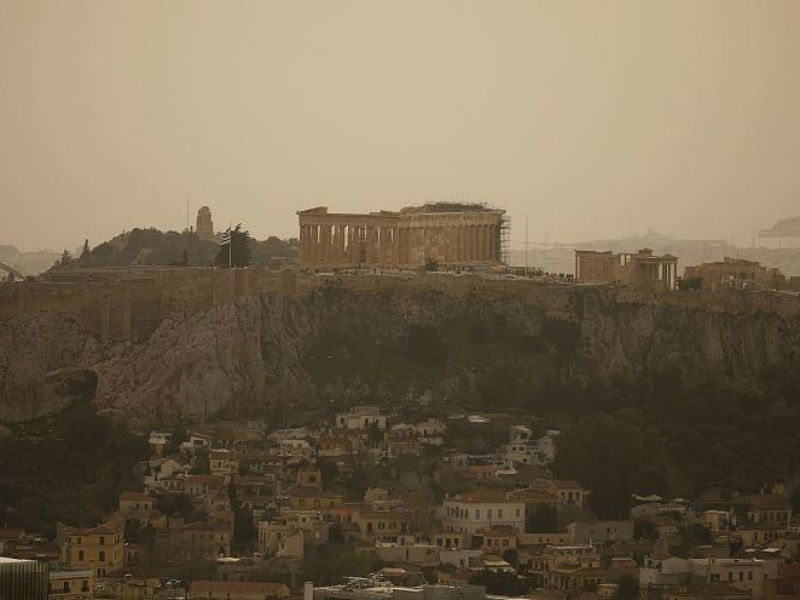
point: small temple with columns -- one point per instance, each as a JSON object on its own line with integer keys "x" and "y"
{"x": 642, "y": 269}
{"x": 444, "y": 232}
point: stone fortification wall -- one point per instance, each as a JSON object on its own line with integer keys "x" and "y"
{"x": 118, "y": 306}
{"x": 201, "y": 341}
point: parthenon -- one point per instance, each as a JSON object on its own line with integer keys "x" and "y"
{"x": 447, "y": 233}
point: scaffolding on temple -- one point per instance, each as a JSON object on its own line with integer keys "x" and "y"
{"x": 505, "y": 240}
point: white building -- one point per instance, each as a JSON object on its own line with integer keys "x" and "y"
{"x": 657, "y": 573}
{"x": 743, "y": 573}
{"x": 361, "y": 417}
{"x": 480, "y": 510}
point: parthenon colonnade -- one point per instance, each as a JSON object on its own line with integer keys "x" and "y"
{"x": 405, "y": 238}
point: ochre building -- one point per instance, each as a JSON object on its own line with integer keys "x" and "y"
{"x": 449, "y": 234}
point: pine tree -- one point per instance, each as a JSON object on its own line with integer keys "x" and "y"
{"x": 85, "y": 251}
{"x": 238, "y": 254}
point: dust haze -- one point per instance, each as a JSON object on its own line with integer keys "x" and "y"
{"x": 595, "y": 119}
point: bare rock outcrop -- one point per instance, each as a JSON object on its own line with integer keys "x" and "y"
{"x": 338, "y": 344}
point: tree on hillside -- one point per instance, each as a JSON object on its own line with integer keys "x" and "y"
{"x": 235, "y": 253}
{"x": 501, "y": 583}
{"x": 615, "y": 459}
{"x": 543, "y": 519}
{"x": 627, "y": 588}
{"x": 85, "y": 251}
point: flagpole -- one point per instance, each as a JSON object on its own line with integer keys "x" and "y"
{"x": 230, "y": 246}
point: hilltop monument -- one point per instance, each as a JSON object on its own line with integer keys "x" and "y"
{"x": 449, "y": 233}
{"x": 205, "y": 226}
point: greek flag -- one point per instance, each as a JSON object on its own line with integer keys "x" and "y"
{"x": 225, "y": 238}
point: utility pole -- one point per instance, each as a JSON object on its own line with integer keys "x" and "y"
{"x": 526, "y": 245}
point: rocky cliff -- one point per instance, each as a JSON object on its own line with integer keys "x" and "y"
{"x": 347, "y": 341}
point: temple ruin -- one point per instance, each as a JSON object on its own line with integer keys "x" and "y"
{"x": 642, "y": 269}
{"x": 733, "y": 274}
{"x": 448, "y": 233}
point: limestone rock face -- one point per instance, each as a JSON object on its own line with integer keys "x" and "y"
{"x": 336, "y": 345}
{"x": 44, "y": 361}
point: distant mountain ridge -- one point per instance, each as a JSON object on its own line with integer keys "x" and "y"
{"x": 561, "y": 258}
{"x": 27, "y": 263}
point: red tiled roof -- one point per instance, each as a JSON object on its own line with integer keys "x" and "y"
{"x": 312, "y": 492}
{"x": 109, "y": 528}
{"x": 483, "y": 495}
{"x": 218, "y": 479}
{"x": 11, "y": 534}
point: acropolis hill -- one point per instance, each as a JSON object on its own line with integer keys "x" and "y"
{"x": 165, "y": 344}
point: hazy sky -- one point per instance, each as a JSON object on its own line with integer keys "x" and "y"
{"x": 596, "y": 118}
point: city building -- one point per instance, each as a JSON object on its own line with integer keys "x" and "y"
{"x": 569, "y": 493}
{"x": 361, "y": 417}
{"x": 743, "y": 573}
{"x": 71, "y": 585}
{"x": 482, "y": 509}
{"x": 99, "y": 549}
{"x": 307, "y": 497}
{"x": 130, "y": 502}
{"x": 448, "y": 233}
{"x": 593, "y": 532}
{"x": 201, "y": 539}
{"x": 380, "y": 525}
{"x": 642, "y": 269}
{"x": 23, "y": 579}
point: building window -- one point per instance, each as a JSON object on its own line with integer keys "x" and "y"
{"x": 101, "y": 556}
{"x": 80, "y": 555}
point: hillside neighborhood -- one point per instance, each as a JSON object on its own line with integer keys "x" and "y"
{"x": 369, "y": 504}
